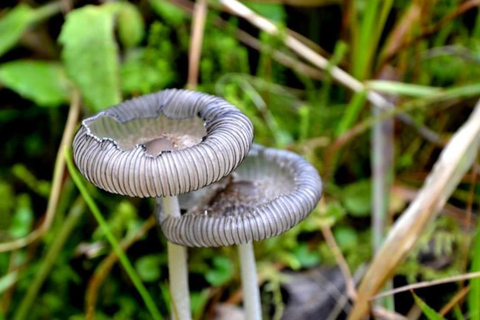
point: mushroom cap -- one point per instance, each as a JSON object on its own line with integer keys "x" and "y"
{"x": 269, "y": 193}
{"x": 162, "y": 144}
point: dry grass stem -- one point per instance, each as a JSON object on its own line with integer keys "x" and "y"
{"x": 198, "y": 29}
{"x": 456, "y": 299}
{"x": 58, "y": 175}
{"x": 304, "y": 51}
{"x": 342, "y": 264}
{"x": 382, "y": 313}
{"x": 452, "y": 164}
{"x": 426, "y": 284}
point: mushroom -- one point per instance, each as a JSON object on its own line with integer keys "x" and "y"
{"x": 269, "y": 193}
{"x": 162, "y": 145}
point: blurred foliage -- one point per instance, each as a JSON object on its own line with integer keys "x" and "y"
{"x": 113, "y": 51}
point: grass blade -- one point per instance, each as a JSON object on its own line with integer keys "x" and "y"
{"x": 351, "y": 112}
{"x": 147, "y": 299}
{"x": 474, "y": 294}
{"x": 400, "y": 88}
{"x": 427, "y": 311}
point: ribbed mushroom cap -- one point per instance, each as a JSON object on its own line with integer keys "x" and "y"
{"x": 269, "y": 193}
{"x": 162, "y": 144}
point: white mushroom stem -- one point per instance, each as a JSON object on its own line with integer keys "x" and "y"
{"x": 177, "y": 269}
{"x": 251, "y": 292}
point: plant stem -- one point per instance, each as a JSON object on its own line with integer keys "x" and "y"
{"x": 177, "y": 269}
{"x": 48, "y": 10}
{"x": 50, "y": 258}
{"x": 382, "y": 141}
{"x": 198, "y": 29}
{"x": 251, "y": 293}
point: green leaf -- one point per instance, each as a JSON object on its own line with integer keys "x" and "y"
{"x": 427, "y": 311}
{"x": 140, "y": 75}
{"x": 169, "y": 12}
{"x": 23, "y": 218}
{"x": 272, "y": 11}
{"x": 357, "y": 198}
{"x": 91, "y": 54}
{"x": 12, "y": 25}
{"x": 306, "y": 257}
{"x": 149, "y": 267}
{"x": 131, "y": 28}
{"x": 7, "y": 281}
{"x": 346, "y": 237}
{"x": 221, "y": 273}
{"x": 46, "y": 83}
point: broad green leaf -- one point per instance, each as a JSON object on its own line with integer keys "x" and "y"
{"x": 12, "y": 25}
{"x": 427, "y": 311}
{"x": 357, "y": 198}
{"x": 43, "y": 82}
{"x": 131, "y": 28}
{"x": 142, "y": 75}
{"x": 91, "y": 54}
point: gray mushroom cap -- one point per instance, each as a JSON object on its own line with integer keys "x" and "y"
{"x": 269, "y": 193}
{"x": 162, "y": 144}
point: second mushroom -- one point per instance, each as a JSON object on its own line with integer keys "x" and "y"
{"x": 269, "y": 193}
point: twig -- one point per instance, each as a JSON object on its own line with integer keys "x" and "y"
{"x": 426, "y": 284}
{"x": 347, "y": 275}
{"x": 198, "y": 29}
{"x": 106, "y": 265}
{"x": 382, "y": 313}
{"x": 459, "y": 296}
{"x": 282, "y": 58}
{"x": 57, "y": 180}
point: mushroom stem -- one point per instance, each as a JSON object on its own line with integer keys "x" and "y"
{"x": 251, "y": 293}
{"x": 177, "y": 268}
